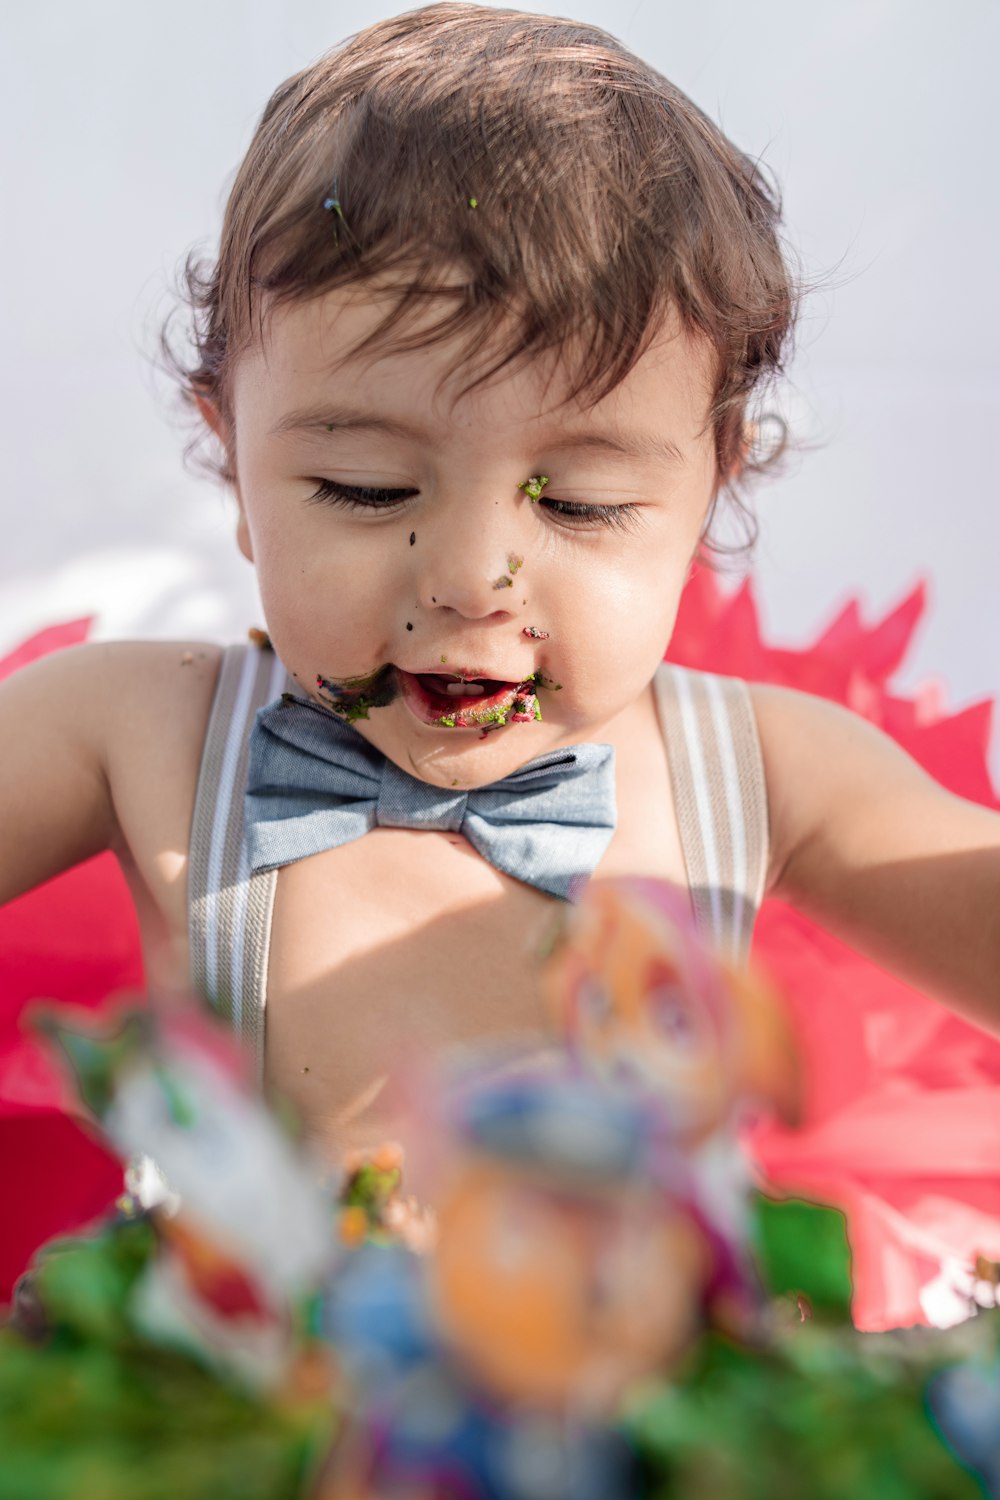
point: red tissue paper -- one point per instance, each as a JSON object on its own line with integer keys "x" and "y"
{"x": 74, "y": 939}
{"x": 902, "y": 1104}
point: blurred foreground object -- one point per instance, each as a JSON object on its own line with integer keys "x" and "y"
{"x": 244, "y": 1227}
{"x": 177, "y": 1331}
{"x": 562, "y": 1270}
{"x": 590, "y": 1301}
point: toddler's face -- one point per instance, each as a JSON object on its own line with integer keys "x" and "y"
{"x": 386, "y": 606}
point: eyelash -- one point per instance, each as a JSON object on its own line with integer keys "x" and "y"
{"x": 620, "y": 517}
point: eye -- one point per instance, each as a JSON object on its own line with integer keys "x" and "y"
{"x": 580, "y": 517}
{"x": 357, "y": 496}
{"x": 573, "y": 517}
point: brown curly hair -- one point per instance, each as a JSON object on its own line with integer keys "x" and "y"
{"x": 583, "y": 192}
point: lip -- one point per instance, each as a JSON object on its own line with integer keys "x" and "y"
{"x": 431, "y": 708}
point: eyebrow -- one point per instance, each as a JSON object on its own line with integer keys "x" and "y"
{"x": 322, "y": 420}
{"x": 326, "y": 421}
{"x": 619, "y": 445}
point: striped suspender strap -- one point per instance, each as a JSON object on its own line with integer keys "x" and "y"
{"x": 229, "y": 909}
{"x": 721, "y": 798}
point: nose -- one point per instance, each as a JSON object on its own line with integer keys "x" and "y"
{"x": 469, "y": 560}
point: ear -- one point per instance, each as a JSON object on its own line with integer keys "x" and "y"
{"x": 243, "y": 532}
{"x": 214, "y": 419}
{"x": 748, "y": 436}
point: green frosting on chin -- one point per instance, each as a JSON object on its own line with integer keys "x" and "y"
{"x": 352, "y": 711}
{"x": 351, "y": 698}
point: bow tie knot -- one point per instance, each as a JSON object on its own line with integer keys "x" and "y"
{"x": 435, "y": 807}
{"x": 315, "y": 783}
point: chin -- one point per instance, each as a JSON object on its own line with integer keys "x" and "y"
{"x": 465, "y": 758}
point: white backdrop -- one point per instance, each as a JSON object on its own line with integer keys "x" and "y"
{"x": 123, "y": 126}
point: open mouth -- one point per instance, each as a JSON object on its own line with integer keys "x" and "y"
{"x": 468, "y": 702}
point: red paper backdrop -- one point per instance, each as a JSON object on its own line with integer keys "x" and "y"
{"x": 74, "y": 939}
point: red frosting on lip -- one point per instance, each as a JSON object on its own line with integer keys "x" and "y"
{"x": 432, "y": 705}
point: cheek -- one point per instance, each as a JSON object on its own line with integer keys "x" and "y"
{"x": 321, "y": 601}
{"x": 616, "y": 620}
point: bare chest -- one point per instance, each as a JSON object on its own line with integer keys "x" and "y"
{"x": 405, "y": 941}
{"x": 380, "y": 949}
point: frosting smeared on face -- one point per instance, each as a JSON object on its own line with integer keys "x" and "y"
{"x": 514, "y": 704}
{"x": 601, "y": 545}
{"x": 350, "y": 698}
{"x": 533, "y": 487}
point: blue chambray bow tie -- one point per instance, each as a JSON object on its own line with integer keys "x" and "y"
{"x": 314, "y": 783}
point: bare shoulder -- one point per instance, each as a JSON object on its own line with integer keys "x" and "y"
{"x": 124, "y": 688}
{"x": 805, "y": 742}
{"x": 82, "y": 731}
{"x": 175, "y": 675}
{"x": 159, "y": 697}
{"x": 874, "y": 849}
{"x": 115, "y": 670}
{"x": 842, "y": 793}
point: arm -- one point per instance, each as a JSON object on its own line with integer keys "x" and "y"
{"x": 872, "y": 848}
{"x": 99, "y": 749}
{"x": 56, "y": 808}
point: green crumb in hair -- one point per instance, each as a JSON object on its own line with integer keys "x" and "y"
{"x": 533, "y": 487}
{"x": 514, "y": 562}
{"x": 503, "y": 582}
{"x": 473, "y": 202}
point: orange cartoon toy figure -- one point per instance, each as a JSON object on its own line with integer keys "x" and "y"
{"x": 571, "y": 1258}
{"x": 641, "y": 999}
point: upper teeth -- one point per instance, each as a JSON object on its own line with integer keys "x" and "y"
{"x": 465, "y": 689}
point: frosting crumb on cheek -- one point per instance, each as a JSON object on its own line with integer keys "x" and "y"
{"x": 351, "y": 698}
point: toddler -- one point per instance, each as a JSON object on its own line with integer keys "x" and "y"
{"x": 494, "y": 307}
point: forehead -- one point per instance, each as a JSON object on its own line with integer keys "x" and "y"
{"x": 311, "y": 348}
